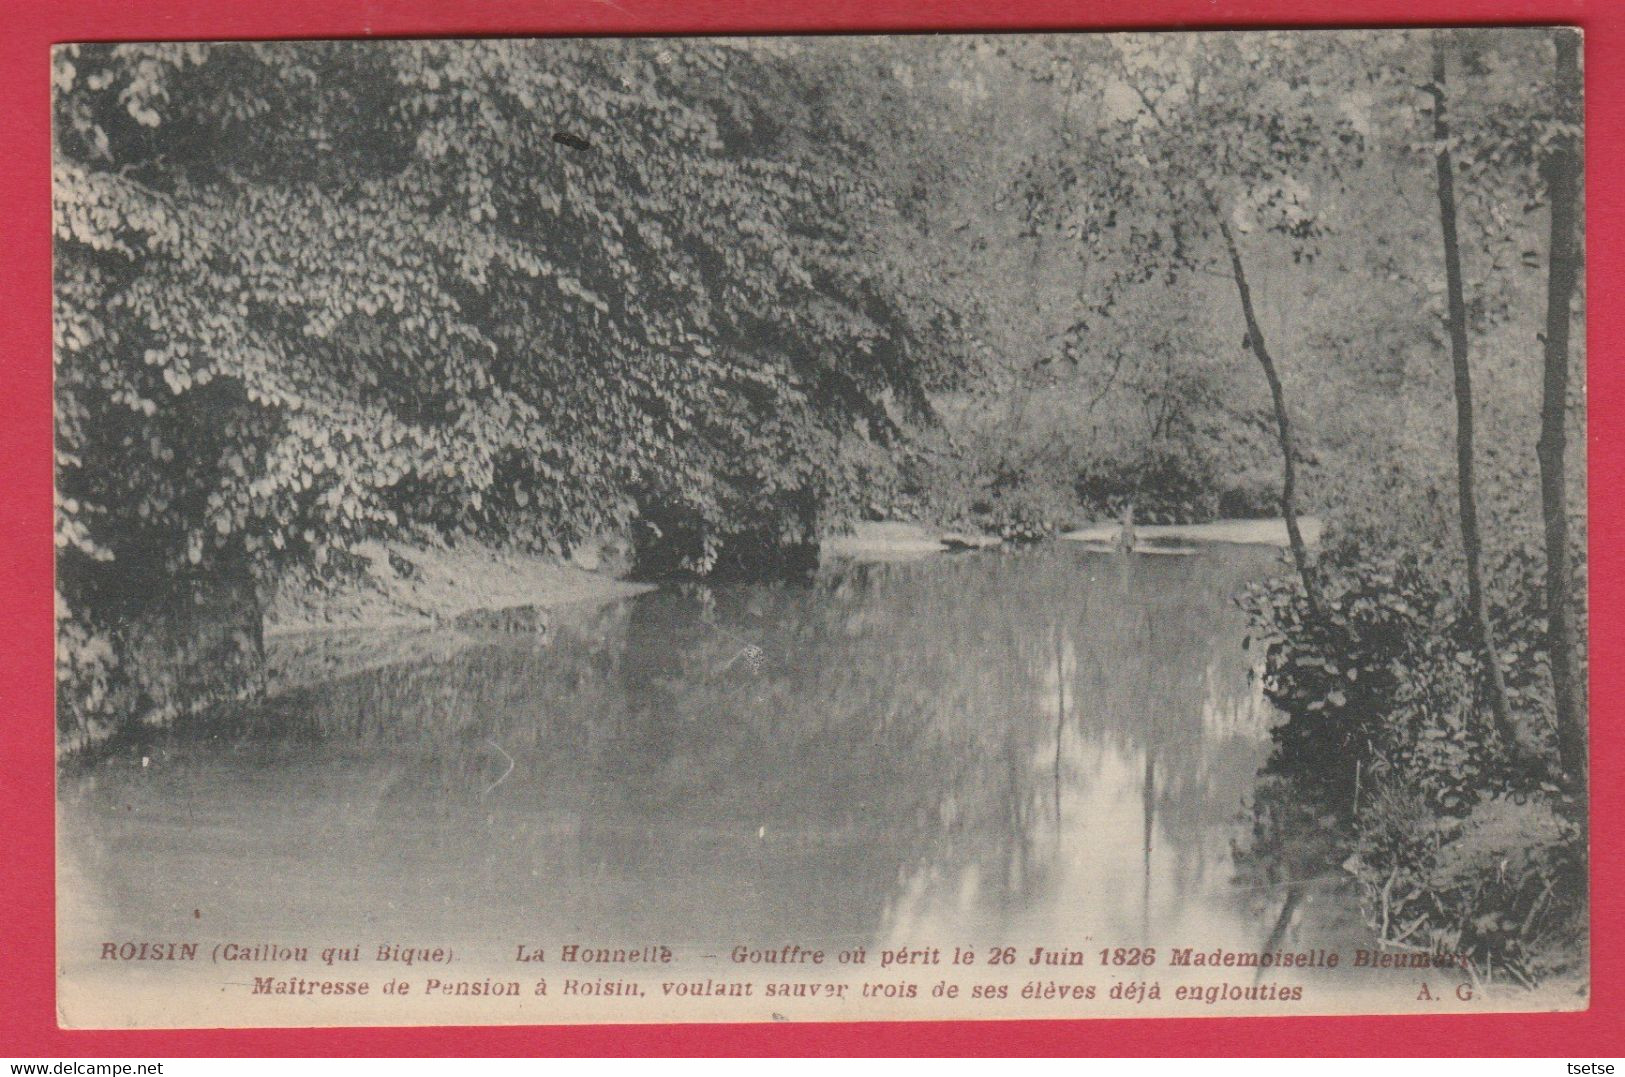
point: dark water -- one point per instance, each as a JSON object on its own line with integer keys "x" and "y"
{"x": 1006, "y": 748}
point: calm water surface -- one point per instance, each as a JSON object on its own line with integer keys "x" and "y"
{"x": 1038, "y": 747}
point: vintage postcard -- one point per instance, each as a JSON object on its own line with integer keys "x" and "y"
{"x": 808, "y": 529}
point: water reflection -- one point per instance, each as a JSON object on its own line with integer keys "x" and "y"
{"x": 1000, "y": 748}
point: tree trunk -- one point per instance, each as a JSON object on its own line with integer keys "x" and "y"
{"x": 1562, "y": 168}
{"x": 1470, "y": 542}
{"x": 1283, "y": 427}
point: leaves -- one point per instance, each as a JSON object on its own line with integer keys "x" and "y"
{"x": 311, "y": 293}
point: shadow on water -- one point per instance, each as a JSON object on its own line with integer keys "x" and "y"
{"x": 998, "y": 748}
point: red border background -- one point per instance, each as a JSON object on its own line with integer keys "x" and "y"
{"x": 27, "y": 901}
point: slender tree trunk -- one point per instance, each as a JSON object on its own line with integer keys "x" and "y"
{"x": 1562, "y": 167}
{"x": 1283, "y": 426}
{"x": 1470, "y": 541}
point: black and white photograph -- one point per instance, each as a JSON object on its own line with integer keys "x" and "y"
{"x": 840, "y": 528}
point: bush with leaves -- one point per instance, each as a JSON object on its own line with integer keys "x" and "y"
{"x": 1458, "y": 841}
